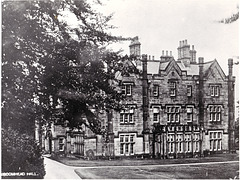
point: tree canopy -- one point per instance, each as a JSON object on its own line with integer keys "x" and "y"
{"x": 47, "y": 63}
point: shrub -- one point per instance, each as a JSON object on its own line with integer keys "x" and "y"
{"x": 21, "y": 153}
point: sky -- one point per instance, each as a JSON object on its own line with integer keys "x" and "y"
{"x": 161, "y": 24}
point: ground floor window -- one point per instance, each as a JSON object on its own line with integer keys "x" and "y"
{"x": 215, "y": 138}
{"x": 171, "y": 143}
{"x": 61, "y": 144}
{"x": 179, "y": 143}
{"x": 127, "y": 144}
{"x": 196, "y": 142}
{"x": 188, "y": 142}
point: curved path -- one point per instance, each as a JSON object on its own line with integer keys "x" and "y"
{"x": 56, "y": 170}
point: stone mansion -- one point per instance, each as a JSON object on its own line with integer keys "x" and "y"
{"x": 176, "y": 108}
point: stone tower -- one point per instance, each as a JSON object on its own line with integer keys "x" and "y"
{"x": 135, "y": 47}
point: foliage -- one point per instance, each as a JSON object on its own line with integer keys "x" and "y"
{"x": 21, "y": 154}
{"x": 234, "y": 17}
{"x": 47, "y": 62}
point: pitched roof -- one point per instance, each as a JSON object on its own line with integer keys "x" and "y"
{"x": 193, "y": 69}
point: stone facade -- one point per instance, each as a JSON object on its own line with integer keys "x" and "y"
{"x": 176, "y": 108}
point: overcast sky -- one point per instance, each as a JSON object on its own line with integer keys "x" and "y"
{"x": 161, "y": 24}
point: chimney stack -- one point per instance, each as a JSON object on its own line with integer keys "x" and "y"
{"x": 193, "y": 55}
{"x": 230, "y": 67}
{"x": 201, "y": 91}
{"x": 231, "y": 118}
{"x": 135, "y": 47}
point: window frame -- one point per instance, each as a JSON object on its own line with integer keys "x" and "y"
{"x": 189, "y": 88}
{"x": 156, "y": 114}
{"x": 188, "y": 142}
{"x": 189, "y": 113}
{"x": 127, "y": 116}
{"x": 127, "y": 142}
{"x": 173, "y": 88}
{"x": 215, "y": 113}
{"x": 215, "y": 142}
{"x": 127, "y": 89}
{"x": 173, "y": 114}
{"x": 61, "y": 143}
{"x": 171, "y": 142}
{"x": 155, "y": 90}
{"x": 214, "y": 90}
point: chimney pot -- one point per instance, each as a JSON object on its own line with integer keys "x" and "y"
{"x": 152, "y": 57}
{"x": 166, "y": 53}
{"x": 192, "y": 47}
{"x": 170, "y": 53}
{"x": 185, "y": 42}
{"x": 230, "y": 61}
{"x": 149, "y": 57}
{"x": 180, "y": 43}
{"x": 230, "y": 67}
{"x": 200, "y": 60}
{"x": 162, "y": 52}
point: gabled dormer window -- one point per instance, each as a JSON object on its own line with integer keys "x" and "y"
{"x": 214, "y": 90}
{"x": 127, "y": 89}
{"x": 155, "y": 90}
{"x": 172, "y": 89}
{"x": 189, "y": 91}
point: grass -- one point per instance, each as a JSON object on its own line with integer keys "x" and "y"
{"x": 139, "y": 169}
{"x": 138, "y": 162}
{"x": 211, "y": 171}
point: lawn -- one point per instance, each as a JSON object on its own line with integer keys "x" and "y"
{"x": 138, "y": 162}
{"x": 210, "y": 171}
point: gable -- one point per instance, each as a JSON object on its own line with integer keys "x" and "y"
{"x": 215, "y": 72}
{"x": 173, "y": 67}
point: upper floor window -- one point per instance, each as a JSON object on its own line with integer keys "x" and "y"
{"x": 155, "y": 90}
{"x": 214, "y": 89}
{"x": 215, "y": 113}
{"x": 173, "y": 114}
{"x": 172, "y": 89}
{"x": 189, "y": 114}
{"x": 127, "y": 89}
{"x": 189, "y": 91}
{"x": 156, "y": 114}
{"x": 127, "y": 116}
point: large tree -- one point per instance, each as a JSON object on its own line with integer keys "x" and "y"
{"x": 47, "y": 62}
{"x": 45, "y": 59}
